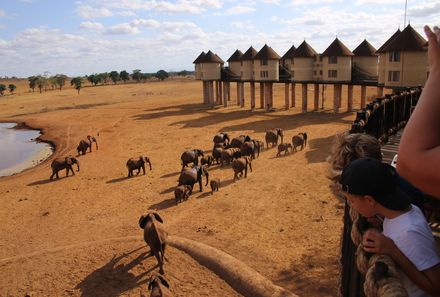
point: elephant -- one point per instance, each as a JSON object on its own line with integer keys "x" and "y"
{"x": 299, "y": 140}
{"x": 63, "y": 163}
{"x": 284, "y": 147}
{"x": 228, "y": 155}
{"x": 159, "y": 286}
{"x": 191, "y": 156}
{"x": 241, "y": 164}
{"x": 86, "y": 144}
{"x": 182, "y": 193}
{"x": 238, "y": 141}
{"x": 249, "y": 148}
{"x": 217, "y": 154}
{"x": 190, "y": 176}
{"x": 221, "y": 144}
{"x": 272, "y": 136}
{"x": 207, "y": 161}
{"x": 221, "y": 137}
{"x": 215, "y": 184}
{"x": 155, "y": 235}
{"x": 137, "y": 163}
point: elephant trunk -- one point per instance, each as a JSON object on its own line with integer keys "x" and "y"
{"x": 246, "y": 168}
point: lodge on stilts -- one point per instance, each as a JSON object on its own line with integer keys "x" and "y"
{"x": 401, "y": 62}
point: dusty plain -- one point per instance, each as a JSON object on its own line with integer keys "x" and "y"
{"x": 79, "y": 236}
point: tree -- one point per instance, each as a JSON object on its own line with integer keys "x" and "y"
{"x": 60, "y": 80}
{"x": 2, "y": 89}
{"x": 183, "y": 73}
{"x": 41, "y": 82}
{"x": 12, "y": 88}
{"x": 137, "y": 75}
{"x": 103, "y": 77}
{"x": 124, "y": 76}
{"x": 161, "y": 74}
{"x": 114, "y": 76}
{"x": 32, "y": 82}
{"x": 77, "y": 83}
{"x": 94, "y": 79}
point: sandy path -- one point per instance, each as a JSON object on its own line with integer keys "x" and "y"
{"x": 282, "y": 220}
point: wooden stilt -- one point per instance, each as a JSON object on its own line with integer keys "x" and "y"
{"x": 220, "y": 92}
{"x": 262, "y": 92}
{"x": 304, "y": 98}
{"x": 293, "y": 94}
{"x": 229, "y": 91}
{"x": 335, "y": 98}
{"x": 252, "y": 86}
{"x": 316, "y": 97}
{"x": 286, "y": 95}
{"x": 350, "y": 98}
{"x": 216, "y": 92}
{"x": 238, "y": 93}
{"x": 363, "y": 96}
{"x": 242, "y": 94}
{"x": 379, "y": 92}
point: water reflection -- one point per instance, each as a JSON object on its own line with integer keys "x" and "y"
{"x": 19, "y": 150}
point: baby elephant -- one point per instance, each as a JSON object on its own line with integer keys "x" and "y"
{"x": 159, "y": 286}
{"x": 182, "y": 193}
{"x": 240, "y": 165}
{"x": 284, "y": 147}
{"x": 137, "y": 163}
{"x": 208, "y": 160}
{"x": 215, "y": 184}
{"x": 299, "y": 140}
{"x": 154, "y": 235}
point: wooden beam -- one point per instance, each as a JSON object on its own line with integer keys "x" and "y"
{"x": 304, "y": 98}
{"x": 350, "y": 98}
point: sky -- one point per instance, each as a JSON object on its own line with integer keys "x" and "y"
{"x": 92, "y": 36}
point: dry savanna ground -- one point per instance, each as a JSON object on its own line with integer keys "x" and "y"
{"x": 79, "y": 236}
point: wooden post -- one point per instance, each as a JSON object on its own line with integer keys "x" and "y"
{"x": 363, "y": 96}
{"x": 242, "y": 94}
{"x": 350, "y": 98}
{"x": 225, "y": 94}
{"x": 379, "y": 92}
{"x": 316, "y": 97}
{"x": 252, "y": 95}
{"x": 229, "y": 91}
{"x": 238, "y": 93}
{"x": 286, "y": 95}
{"x": 340, "y": 96}
{"x": 262, "y": 91}
{"x": 336, "y": 98}
{"x": 304, "y": 98}
{"x": 293, "y": 94}
{"x": 220, "y": 92}
{"x": 204, "y": 92}
{"x": 271, "y": 95}
{"x": 216, "y": 91}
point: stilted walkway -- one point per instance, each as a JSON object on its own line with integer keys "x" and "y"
{"x": 389, "y": 150}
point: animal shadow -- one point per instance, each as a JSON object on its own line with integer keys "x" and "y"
{"x": 41, "y": 182}
{"x": 114, "y": 278}
{"x": 170, "y": 174}
{"x": 167, "y": 203}
{"x": 121, "y": 179}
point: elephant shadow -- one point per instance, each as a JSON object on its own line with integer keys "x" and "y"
{"x": 169, "y": 190}
{"x": 121, "y": 179}
{"x": 167, "y": 203}
{"x": 41, "y": 182}
{"x": 114, "y": 278}
{"x": 170, "y": 174}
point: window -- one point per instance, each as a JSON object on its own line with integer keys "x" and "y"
{"x": 333, "y": 60}
{"x": 393, "y": 75}
{"x": 263, "y": 62}
{"x": 333, "y": 73}
{"x": 293, "y": 62}
{"x": 314, "y": 72}
{"x": 320, "y": 72}
{"x": 320, "y": 58}
{"x": 264, "y": 74}
{"x": 394, "y": 56}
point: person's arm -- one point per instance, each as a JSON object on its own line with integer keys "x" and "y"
{"x": 419, "y": 150}
{"x": 427, "y": 280}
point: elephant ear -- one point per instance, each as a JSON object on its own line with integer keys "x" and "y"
{"x": 164, "y": 281}
{"x": 143, "y": 221}
{"x": 157, "y": 216}
{"x": 68, "y": 160}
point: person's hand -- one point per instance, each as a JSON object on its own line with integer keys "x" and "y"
{"x": 433, "y": 47}
{"x": 375, "y": 242}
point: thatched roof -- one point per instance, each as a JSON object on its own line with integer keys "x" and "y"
{"x": 289, "y": 53}
{"x": 381, "y": 49}
{"x": 365, "y": 49}
{"x": 249, "y": 54}
{"x": 199, "y": 58}
{"x": 304, "y": 50}
{"x": 407, "y": 40}
{"x": 236, "y": 56}
{"x": 337, "y": 48}
{"x": 267, "y": 53}
{"x": 210, "y": 57}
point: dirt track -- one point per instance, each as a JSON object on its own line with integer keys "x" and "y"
{"x": 78, "y": 236}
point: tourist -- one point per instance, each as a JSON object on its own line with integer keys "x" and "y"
{"x": 371, "y": 188}
{"x": 419, "y": 151}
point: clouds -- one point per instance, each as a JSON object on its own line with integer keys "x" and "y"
{"x": 425, "y": 9}
{"x": 2, "y": 13}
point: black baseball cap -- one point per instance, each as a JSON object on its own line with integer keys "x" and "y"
{"x": 371, "y": 177}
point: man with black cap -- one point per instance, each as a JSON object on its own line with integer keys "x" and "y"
{"x": 371, "y": 188}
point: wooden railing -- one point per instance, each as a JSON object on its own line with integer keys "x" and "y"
{"x": 385, "y": 116}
